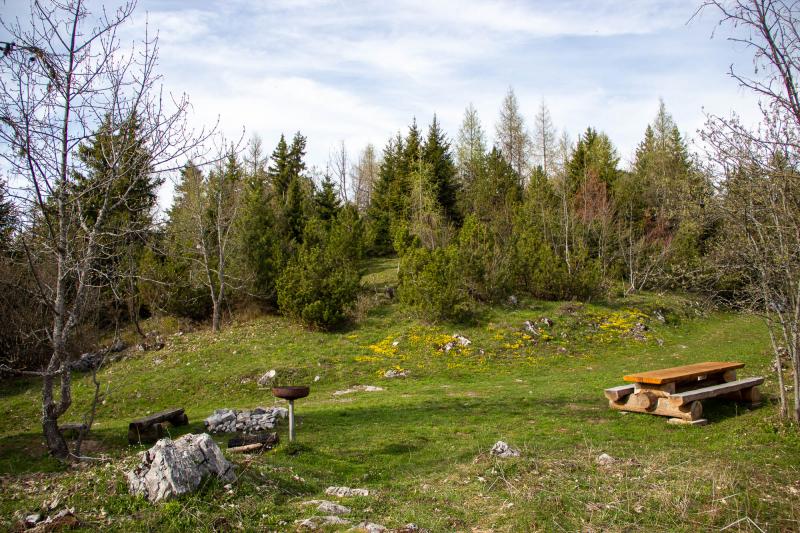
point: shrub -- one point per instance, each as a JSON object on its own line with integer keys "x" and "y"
{"x": 430, "y": 283}
{"x": 320, "y": 283}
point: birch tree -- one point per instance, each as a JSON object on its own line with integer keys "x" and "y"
{"x": 62, "y": 74}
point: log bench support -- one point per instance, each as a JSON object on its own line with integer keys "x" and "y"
{"x": 682, "y": 406}
{"x": 153, "y": 427}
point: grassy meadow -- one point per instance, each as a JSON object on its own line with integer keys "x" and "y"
{"x": 422, "y": 443}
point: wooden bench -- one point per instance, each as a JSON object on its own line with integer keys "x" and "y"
{"x": 153, "y": 427}
{"x": 677, "y": 392}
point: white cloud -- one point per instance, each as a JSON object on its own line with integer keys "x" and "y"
{"x": 359, "y": 71}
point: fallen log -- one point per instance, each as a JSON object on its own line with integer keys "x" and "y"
{"x": 266, "y": 439}
{"x": 248, "y": 448}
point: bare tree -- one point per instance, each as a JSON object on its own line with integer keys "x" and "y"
{"x": 338, "y": 162}
{"x": 512, "y": 136}
{"x": 759, "y": 173}
{"x": 202, "y": 222}
{"x": 365, "y": 174}
{"x": 544, "y": 140}
{"x": 62, "y": 76}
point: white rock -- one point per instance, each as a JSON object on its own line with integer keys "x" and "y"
{"x": 530, "y": 328}
{"x": 502, "y": 449}
{"x": 332, "y": 508}
{"x": 462, "y": 340}
{"x": 344, "y": 492}
{"x": 391, "y": 374}
{"x": 604, "y": 459}
{"x": 266, "y": 379}
{"x": 317, "y": 378}
{"x": 358, "y": 388}
{"x": 369, "y": 527}
{"x": 172, "y": 468}
{"x": 318, "y": 522}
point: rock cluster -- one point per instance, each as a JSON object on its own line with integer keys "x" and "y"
{"x": 248, "y": 421}
{"x": 172, "y": 468}
{"x": 458, "y": 339}
{"x": 392, "y": 373}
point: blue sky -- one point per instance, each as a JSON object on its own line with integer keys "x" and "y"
{"x": 360, "y": 70}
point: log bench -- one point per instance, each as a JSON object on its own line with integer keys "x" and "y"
{"x": 153, "y": 427}
{"x": 677, "y": 392}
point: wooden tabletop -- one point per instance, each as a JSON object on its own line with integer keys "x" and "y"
{"x": 681, "y": 373}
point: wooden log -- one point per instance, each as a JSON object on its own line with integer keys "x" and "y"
{"x": 661, "y": 391}
{"x": 680, "y": 421}
{"x": 267, "y": 439}
{"x": 751, "y": 395}
{"x": 247, "y": 448}
{"x": 617, "y": 393}
{"x": 661, "y": 407}
{"x": 689, "y": 396}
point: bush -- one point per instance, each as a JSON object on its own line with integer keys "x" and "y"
{"x": 320, "y": 283}
{"x": 544, "y": 274}
{"x": 484, "y": 261}
{"x": 431, "y": 284}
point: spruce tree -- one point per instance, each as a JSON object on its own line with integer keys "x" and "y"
{"x": 436, "y": 154}
{"x": 279, "y": 171}
{"x": 326, "y": 201}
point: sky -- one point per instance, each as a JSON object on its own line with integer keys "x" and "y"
{"x": 359, "y": 71}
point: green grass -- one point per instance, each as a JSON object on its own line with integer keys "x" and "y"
{"x": 422, "y": 443}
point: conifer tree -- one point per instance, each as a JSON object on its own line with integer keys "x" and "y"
{"x": 326, "y": 201}
{"x": 512, "y": 136}
{"x": 544, "y": 140}
{"x": 279, "y": 171}
{"x": 436, "y": 153}
{"x": 471, "y": 148}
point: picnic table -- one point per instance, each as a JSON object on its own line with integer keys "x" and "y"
{"x": 677, "y": 392}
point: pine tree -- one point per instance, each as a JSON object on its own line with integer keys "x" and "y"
{"x": 512, "y": 136}
{"x": 436, "y": 153}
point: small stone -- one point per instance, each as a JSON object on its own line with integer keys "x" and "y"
{"x": 605, "y": 460}
{"x": 461, "y": 339}
{"x": 318, "y": 522}
{"x": 530, "y": 328}
{"x": 332, "y": 508}
{"x": 369, "y": 527}
{"x": 395, "y": 343}
{"x": 358, "y": 388}
{"x": 392, "y": 373}
{"x": 268, "y": 377}
{"x": 502, "y": 449}
{"x": 344, "y": 492}
{"x": 512, "y": 300}
{"x": 33, "y": 519}
{"x": 316, "y": 379}
{"x": 546, "y": 322}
